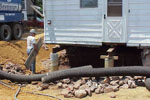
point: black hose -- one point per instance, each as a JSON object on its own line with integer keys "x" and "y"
{"x": 20, "y": 78}
{"x": 98, "y": 72}
{"x": 30, "y": 78}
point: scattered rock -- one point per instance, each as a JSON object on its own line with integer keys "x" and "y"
{"x": 70, "y": 87}
{"x": 94, "y": 86}
{"x": 88, "y": 92}
{"x": 114, "y": 82}
{"x": 89, "y": 83}
{"x": 125, "y": 86}
{"x": 131, "y": 84}
{"x": 64, "y": 86}
{"x": 108, "y": 89}
{"x": 13, "y": 68}
{"x": 115, "y": 78}
{"x": 34, "y": 82}
{"x": 66, "y": 81}
{"x": 138, "y": 77}
{"x": 43, "y": 86}
{"x": 39, "y": 89}
{"x": 98, "y": 90}
{"x": 77, "y": 84}
{"x": 102, "y": 90}
{"x": 121, "y": 82}
{"x": 84, "y": 87}
{"x": 80, "y": 93}
{"x": 86, "y": 78}
{"x": 129, "y": 77}
{"x": 66, "y": 93}
{"x": 126, "y": 81}
{"x": 13, "y": 71}
{"x": 59, "y": 85}
{"x": 81, "y": 87}
{"x": 113, "y": 96}
{"x": 106, "y": 80}
{"x": 116, "y": 88}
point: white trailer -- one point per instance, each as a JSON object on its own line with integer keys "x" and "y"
{"x": 98, "y": 22}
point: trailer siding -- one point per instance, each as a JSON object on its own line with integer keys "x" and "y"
{"x": 139, "y": 23}
{"x": 72, "y": 24}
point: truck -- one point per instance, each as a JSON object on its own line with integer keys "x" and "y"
{"x": 12, "y": 15}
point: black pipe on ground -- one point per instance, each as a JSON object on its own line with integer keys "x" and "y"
{"x": 98, "y": 72}
{"x": 30, "y": 78}
{"x": 20, "y": 78}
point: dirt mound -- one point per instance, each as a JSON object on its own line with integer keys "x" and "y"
{"x": 15, "y": 52}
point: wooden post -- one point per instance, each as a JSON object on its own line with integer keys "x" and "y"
{"x": 33, "y": 54}
{"x": 109, "y": 59}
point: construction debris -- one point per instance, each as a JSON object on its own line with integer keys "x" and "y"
{"x": 13, "y": 69}
{"x": 82, "y": 87}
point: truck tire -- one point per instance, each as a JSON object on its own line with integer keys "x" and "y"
{"x": 5, "y": 32}
{"x": 17, "y": 31}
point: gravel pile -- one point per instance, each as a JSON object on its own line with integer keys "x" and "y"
{"x": 85, "y": 86}
{"x": 13, "y": 68}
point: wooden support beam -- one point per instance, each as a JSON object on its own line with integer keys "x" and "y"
{"x": 110, "y": 50}
{"x": 107, "y": 56}
{"x": 109, "y": 59}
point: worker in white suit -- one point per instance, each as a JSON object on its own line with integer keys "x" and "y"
{"x": 31, "y": 43}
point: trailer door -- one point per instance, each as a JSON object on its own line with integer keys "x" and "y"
{"x": 114, "y": 21}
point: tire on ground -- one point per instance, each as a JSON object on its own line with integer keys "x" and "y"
{"x": 5, "y": 32}
{"x": 17, "y": 31}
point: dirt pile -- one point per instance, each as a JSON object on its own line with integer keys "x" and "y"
{"x": 15, "y": 52}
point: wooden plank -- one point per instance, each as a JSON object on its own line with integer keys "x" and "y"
{"x": 107, "y": 56}
{"x": 110, "y": 50}
{"x": 33, "y": 54}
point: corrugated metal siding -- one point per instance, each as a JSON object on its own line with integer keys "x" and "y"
{"x": 72, "y": 24}
{"x": 139, "y": 23}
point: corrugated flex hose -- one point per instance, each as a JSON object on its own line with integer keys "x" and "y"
{"x": 97, "y": 72}
{"x": 30, "y": 78}
{"x": 86, "y": 71}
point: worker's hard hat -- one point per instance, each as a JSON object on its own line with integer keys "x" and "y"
{"x": 32, "y": 31}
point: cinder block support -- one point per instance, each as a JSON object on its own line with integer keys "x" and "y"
{"x": 54, "y": 62}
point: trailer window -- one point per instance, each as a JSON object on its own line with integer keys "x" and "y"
{"x": 88, "y": 3}
{"x": 114, "y": 8}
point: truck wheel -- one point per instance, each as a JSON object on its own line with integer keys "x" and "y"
{"x": 5, "y": 32}
{"x": 17, "y": 31}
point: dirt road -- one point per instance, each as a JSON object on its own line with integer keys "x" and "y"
{"x": 15, "y": 51}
